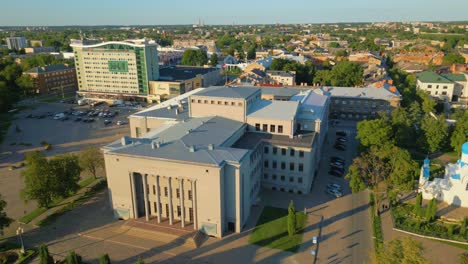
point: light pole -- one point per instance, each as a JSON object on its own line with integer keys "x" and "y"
{"x": 19, "y": 232}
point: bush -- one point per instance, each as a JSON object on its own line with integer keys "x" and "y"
{"x": 48, "y": 147}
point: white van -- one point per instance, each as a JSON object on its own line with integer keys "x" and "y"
{"x": 59, "y": 116}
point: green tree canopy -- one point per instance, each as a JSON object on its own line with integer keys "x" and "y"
{"x": 434, "y": 134}
{"x": 344, "y": 74}
{"x": 377, "y": 132}
{"x": 45, "y": 180}
{"x": 26, "y": 83}
{"x": 194, "y": 58}
{"x": 91, "y": 160}
{"x": 5, "y": 221}
{"x": 460, "y": 133}
{"x": 44, "y": 256}
{"x": 452, "y": 58}
{"x": 251, "y": 54}
{"x": 73, "y": 258}
{"x": 214, "y": 59}
{"x": 104, "y": 259}
{"x": 400, "y": 251}
{"x": 291, "y": 219}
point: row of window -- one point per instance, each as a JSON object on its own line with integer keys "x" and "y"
{"x": 231, "y": 103}
{"x": 282, "y": 178}
{"x": 274, "y": 165}
{"x": 292, "y": 152}
{"x": 166, "y": 192}
{"x": 359, "y": 102}
{"x": 179, "y": 210}
{"x": 284, "y": 190}
{"x": 264, "y": 128}
{"x": 437, "y": 86}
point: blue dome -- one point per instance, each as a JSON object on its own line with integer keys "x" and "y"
{"x": 465, "y": 148}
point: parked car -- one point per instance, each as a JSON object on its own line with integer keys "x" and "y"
{"x": 78, "y": 119}
{"x": 339, "y": 159}
{"x": 107, "y": 122}
{"x": 59, "y": 116}
{"x": 335, "y": 193}
{"x": 341, "y": 133}
{"x": 340, "y": 169}
{"x": 339, "y": 147}
{"x": 337, "y": 164}
{"x": 342, "y": 139}
{"x": 334, "y": 186}
{"x": 65, "y": 118}
{"x": 121, "y": 123}
{"x": 335, "y": 173}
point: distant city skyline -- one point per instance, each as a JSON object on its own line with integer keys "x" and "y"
{"x": 183, "y": 12}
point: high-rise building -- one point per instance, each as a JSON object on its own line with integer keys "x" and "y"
{"x": 16, "y": 43}
{"x": 119, "y": 70}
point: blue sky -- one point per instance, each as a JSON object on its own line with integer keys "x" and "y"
{"x": 155, "y": 12}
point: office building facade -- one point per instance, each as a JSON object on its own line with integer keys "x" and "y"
{"x": 16, "y": 43}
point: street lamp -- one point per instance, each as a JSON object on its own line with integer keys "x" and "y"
{"x": 19, "y": 232}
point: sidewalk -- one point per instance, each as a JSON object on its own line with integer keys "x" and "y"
{"x": 434, "y": 251}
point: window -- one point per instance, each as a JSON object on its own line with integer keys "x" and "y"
{"x": 283, "y": 165}
{"x": 299, "y": 180}
{"x": 233, "y": 103}
{"x": 190, "y": 195}
{"x": 154, "y": 189}
{"x": 265, "y": 176}
{"x": 199, "y": 101}
{"x": 283, "y": 178}
{"x": 165, "y": 191}
{"x": 444, "y": 93}
{"x": 272, "y": 128}
{"x": 212, "y": 102}
{"x": 429, "y": 86}
{"x": 177, "y": 193}
{"x": 219, "y": 102}
{"x": 283, "y": 152}
{"x": 291, "y": 152}
{"x": 178, "y": 211}
{"x": 239, "y": 104}
{"x": 301, "y": 153}
{"x": 301, "y": 167}
{"x": 274, "y": 177}
{"x": 445, "y": 87}
{"x": 226, "y": 103}
{"x": 190, "y": 214}
{"x": 206, "y": 101}
{"x": 275, "y": 150}
{"x": 265, "y": 127}
{"x": 291, "y": 166}
{"x": 155, "y": 207}
{"x": 257, "y": 127}
{"x": 274, "y": 164}
{"x": 265, "y": 164}
{"x": 280, "y": 129}
{"x": 291, "y": 179}
{"x": 266, "y": 148}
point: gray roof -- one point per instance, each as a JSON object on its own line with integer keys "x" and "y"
{"x": 50, "y": 68}
{"x": 277, "y": 110}
{"x": 228, "y": 92}
{"x": 313, "y": 104}
{"x": 176, "y": 141}
{"x": 365, "y": 93}
{"x": 283, "y": 91}
{"x": 169, "y": 112}
{"x": 251, "y": 139}
{"x": 182, "y": 73}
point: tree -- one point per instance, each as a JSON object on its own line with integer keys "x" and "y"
{"x": 347, "y": 74}
{"x": 291, "y": 219}
{"x": 400, "y": 251}
{"x": 377, "y": 132}
{"x": 194, "y": 58}
{"x": 464, "y": 258}
{"x": 91, "y": 160}
{"x": 459, "y": 135}
{"x": 5, "y": 221}
{"x": 104, "y": 259}
{"x": 463, "y": 226}
{"x": 431, "y": 210}
{"x": 45, "y": 180}
{"x": 323, "y": 77}
{"x": 214, "y": 59}
{"x": 435, "y": 133}
{"x": 453, "y": 58}
{"x": 44, "y": 256}
{"x": 417, "y": 204}
{"x": 334, "y": 45}
{"x": 73, "y": 258}
{"x": 140, "y": 261}
{"x": 251, "y": 54}
{"x": 26, "y": 83}
{"x": 428, "y": 104}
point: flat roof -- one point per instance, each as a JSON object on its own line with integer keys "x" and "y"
{"x": 312, "y": 104}
{"x": 50, "y": 68}
{"x": 177, "y": 140}
{"x": 283, "y": 91}
{"x": 229, "y": 92}
{"x": 278, "y": 110}
{"x": 182, "y": 73}
{"x": 364, "y": 93}
{"x": 251, "y": 139}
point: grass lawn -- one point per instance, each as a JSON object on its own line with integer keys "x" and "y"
{"x": 271, "y": 230}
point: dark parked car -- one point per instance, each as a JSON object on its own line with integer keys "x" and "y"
{"x": 339, "y": 147}
{"x": 341, "y": 133}
{"x": 335, "y": 173}
{"x": 78, "y": 119}
{"x": 107, "y": 122}
{"x": 334, "y": 158}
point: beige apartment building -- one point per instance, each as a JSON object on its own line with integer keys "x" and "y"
{"x": 114, "y": 69}
{"x": 201, "y": 158}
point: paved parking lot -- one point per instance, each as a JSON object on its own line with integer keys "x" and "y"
{"x": 26, "y": 134}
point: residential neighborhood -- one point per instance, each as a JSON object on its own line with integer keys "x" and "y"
{"x": 221, "y": 135}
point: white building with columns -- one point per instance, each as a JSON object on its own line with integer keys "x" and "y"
{"x": 453, "y": 187}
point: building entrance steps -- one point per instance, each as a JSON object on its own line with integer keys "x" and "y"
{"x": 170, "y": 233}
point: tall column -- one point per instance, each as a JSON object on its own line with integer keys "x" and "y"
{"x": 158, "y": 200}
{"x": 145, "y": 193}
{"x": 238, "y": 202}
{"x": 194, "y": 205}
{"x": 171, "y": 210}
{"x": 182, "y": 206}
{"x": 134, "y": 200}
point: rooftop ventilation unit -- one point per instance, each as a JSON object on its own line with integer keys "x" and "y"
{"x": 210, "y": 147}
{"x": 192, "y": 149}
